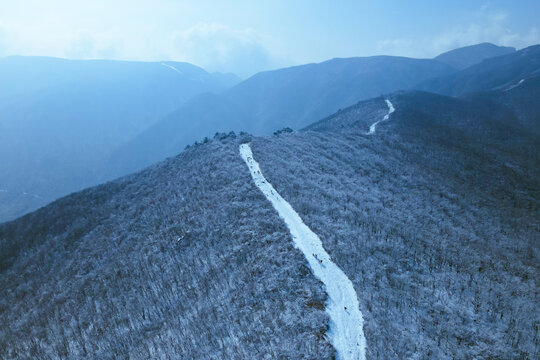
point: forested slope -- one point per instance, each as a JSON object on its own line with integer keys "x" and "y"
{"x": 435, "y": 219}
{"x": 520, "y": 99}
{"x": 293, "y": 97}
{"x": 491, "y": 74}
{"x": 183, "y": 260}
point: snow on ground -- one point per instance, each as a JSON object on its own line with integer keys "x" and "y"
{"x": 172, "y": 67}
{"x": 516, "y": 85}
{"x": 346, "y": 321}
{"x": 23, "y": 193}
{"x": 386, "y": 117}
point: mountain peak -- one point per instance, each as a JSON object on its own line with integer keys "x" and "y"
{"x": 466, "y": 56}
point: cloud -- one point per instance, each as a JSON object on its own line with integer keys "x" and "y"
{"x": 87, "y": 46}
{"x": 214, "y": 47}
{"x": 6, "y": 40}
{"x": 493, "y": 29}
{"x": 400, "y": 46}
{"x": 3, "y": 49}
{"x": 217, "y": 47}
{"x": 487, "y": 26}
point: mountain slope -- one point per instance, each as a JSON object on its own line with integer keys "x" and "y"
{"x": 493, "y": 73}
{"x": 431, "y": 219}
{"x": 434, "y": 218}
{"x": 346, "y": 322}
{"x": 182, "y": 260}
{"x": 271, "y": 100}
{"x": 521, "y": 98}
{"x": 467, "y": 56}
{"x": 60, "y": 118}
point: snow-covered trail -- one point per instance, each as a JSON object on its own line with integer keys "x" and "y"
{"x": 386, "y": 117}
{"x": 346, "y": 321}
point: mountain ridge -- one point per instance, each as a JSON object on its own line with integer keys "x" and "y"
{"x": 271, "y": 100}
{"x": 464, "y": 57}
{"x": 60, "y": 118}
{"x": 148, "y": 247}
{"x": 140, "y": 117}
{"x": 490, "y": 74}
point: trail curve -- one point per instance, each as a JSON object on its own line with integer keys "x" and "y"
{"x": 386, "y": 117}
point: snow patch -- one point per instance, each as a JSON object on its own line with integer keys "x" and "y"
{"x": 386, "y": 117}
{"x": 346, "y": 321}
{"x": 172, "y": 67}
{"x": 32, "y": 195}
{"x": 515, "y": 85}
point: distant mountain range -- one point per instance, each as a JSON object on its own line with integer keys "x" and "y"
{"x": 268, "y": 101}
{"x": 495, "y": 73}
{"x": 71, "y": 124}
{"x": 60, "y": 119}
{"x": 434, "y": 218}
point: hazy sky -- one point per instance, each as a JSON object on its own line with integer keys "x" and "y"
{"x": 248, "y": 36}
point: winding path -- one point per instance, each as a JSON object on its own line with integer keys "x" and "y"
{"x": 386, "y": 117}
{"x": 346, "y": 321}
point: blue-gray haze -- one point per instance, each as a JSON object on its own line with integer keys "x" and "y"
{"x": 66, "y": 125}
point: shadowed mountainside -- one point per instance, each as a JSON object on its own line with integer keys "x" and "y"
{"x": 270, "y": 100}
{"x": 434, "y": 218}
{"x": 70, "y": 124}
{"x": 494, "y": 73}
{"x": 59, "y": 119}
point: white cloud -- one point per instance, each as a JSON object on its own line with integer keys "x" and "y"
{"x": 217, "y": 47}
{"x": 493, "y": 29}
{"x": 399, "y": 47}
{"x": 88, "y": 46}
{"x": 6, "y": 40}
{"x": 2, "y": 40}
